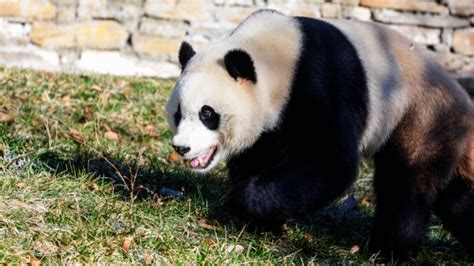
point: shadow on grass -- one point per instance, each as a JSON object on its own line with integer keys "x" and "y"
{"x": 137, "y": 183}
{"x": 153, "y": 179}
{"x": 328, "y": 234}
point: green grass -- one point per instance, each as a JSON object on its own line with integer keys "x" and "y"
{"x": 82, "y": 161}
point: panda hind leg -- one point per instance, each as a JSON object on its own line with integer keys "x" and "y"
{"x": 455, "y": 207}
{"x": 403, "y": 209}
{"x": 411, "y": 169}
{"x": 455, "y": 203}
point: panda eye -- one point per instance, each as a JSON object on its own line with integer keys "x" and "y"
{"x": 206, "y": 113}
{"x": 209, "y": 117}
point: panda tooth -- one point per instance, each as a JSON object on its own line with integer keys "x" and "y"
{"x": 194, "y": 163}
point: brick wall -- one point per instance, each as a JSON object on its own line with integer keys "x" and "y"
{"x": 141, "y": 37}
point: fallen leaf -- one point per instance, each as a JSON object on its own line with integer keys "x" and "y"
{"x": 174, "y": 156}
{"x": 235, "y": 248}
{"x": 150, "y": 127}
{"x": 94, "y": 187}
{"x": 354, "y": 249}
{"x": 365, "y": 201}
{"x": 111, "y": 135}
{"x": 211, "y": 225}
{"x": 66, "y": 99}
{"x": 6, "y": 118}
{"x": 107, "y": 128}
{"x": 76, "y": 135}
{"x": 127, "y": 242}
{"x": 148, "y": 258}
{"x": 150, "y": 131}
{"x": 96, "y": 87}
{"x": 309, "y": 237}
{"x": 34, "y": 261}
{"x": 210, "y": 241}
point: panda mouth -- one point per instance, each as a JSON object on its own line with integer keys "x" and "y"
{"x": 203, "y": 160}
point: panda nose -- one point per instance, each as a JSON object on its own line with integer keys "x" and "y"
{"x": 182, "y": 150}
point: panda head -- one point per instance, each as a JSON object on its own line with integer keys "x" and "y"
{"x": 214, "y": 110}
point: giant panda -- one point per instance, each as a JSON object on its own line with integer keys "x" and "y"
{"x": 293, "y": 103}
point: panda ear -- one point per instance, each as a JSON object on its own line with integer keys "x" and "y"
{"x": 239, "y": 64}
{"x": 186, "y": 51}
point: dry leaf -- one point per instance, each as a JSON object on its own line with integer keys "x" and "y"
{"x": 107, "y": 128}
{"x": 96, "y": 87}
{"x": 365, "y": 201}
{"x": 354, "y": 249}
{"x": 211, "y": 225}
{"x": 309, "y": 237}
{"x": 76, "y": 135}
{"x": 20, "y": 185}
{"x": 34, "y": 261}
{"x": 174, "y": 156}
{"x": 127, "y": 242}
{"x": 94, "y": 187}
{"x": 6, "y": 118}
{"x": 66, "y": 99}
{"x": 210, "y": 241}
{"x": 150, "y": 127}
{"x": 111, "y": 135}
{"x": 148, "y": 258}
{"x": 150, "y": 131}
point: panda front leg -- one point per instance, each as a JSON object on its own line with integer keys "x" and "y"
{"x": 268, "y": 200}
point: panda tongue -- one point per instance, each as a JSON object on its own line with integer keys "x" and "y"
{"x": 202, "y": 160}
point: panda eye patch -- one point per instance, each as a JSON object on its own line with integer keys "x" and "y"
{"x": 177, "y": 116}
{"x": 209, "y": 117}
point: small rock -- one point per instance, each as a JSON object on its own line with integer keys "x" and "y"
{"x": 168, "y": 192}
{"x": 354, "y": 249}
{"x": 111, "y": 135}
{"x": 238, "y": 249}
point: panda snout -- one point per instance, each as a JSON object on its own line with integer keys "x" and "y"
{"x": 181, "y": 150}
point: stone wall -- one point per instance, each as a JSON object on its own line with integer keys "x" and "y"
{"x": 141, "y": 37}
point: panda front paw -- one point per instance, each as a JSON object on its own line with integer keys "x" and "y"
{"x": 257, "y": 205}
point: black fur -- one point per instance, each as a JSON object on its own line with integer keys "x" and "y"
{"x": 239, "y": 64}
{"x": 209, "y": 117}
{"x": 312, "y": 157}
{"x": 186, "y": 52}
{"x": 308, "y": 161}
{"x": 455, "y": 207}
{"x": 177, "y": 116}
{"x": 416, "y": 164}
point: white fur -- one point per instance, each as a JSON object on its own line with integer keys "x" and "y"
{"x": 273, "y": 41}
{"x": 388, "y": 96}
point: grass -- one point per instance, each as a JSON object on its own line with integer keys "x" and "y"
{"x": 83, "y": 160}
